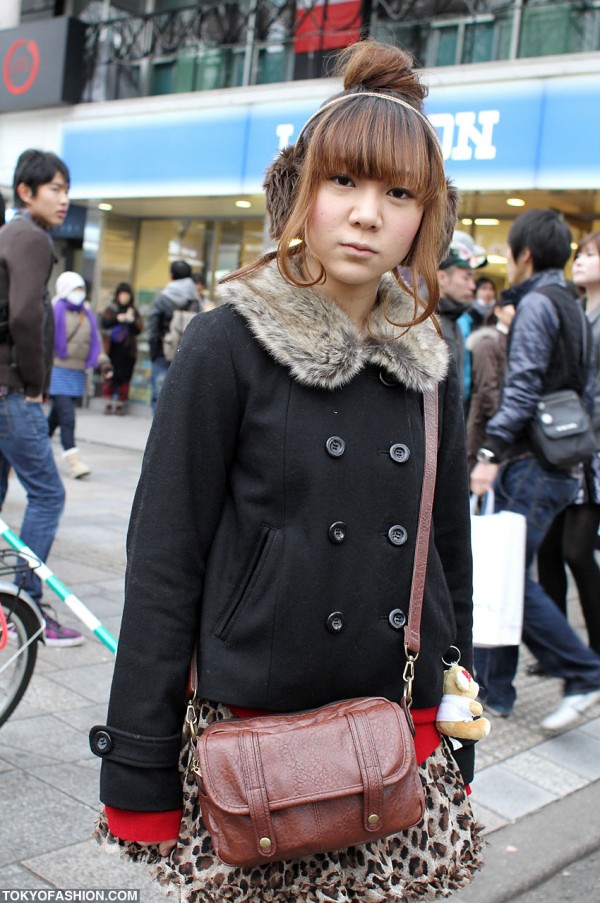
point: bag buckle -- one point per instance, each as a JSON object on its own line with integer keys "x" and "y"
{"x": 408, "y": 675}
{"x": 191, "y": 721}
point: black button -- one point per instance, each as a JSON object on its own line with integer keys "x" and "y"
{"x": 335, "y": 622}
{"x": 337, "y": 531}
{"x": 335, "y": 446}
{"x": 387, "y": 379}
{"x": 102, "y": 743}
{"x": 399, "y": 453}
{"x": 397, "y": 618}
{"x": 397, "y": 535}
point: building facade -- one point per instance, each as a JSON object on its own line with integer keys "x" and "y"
{"x": 169, "y": 112}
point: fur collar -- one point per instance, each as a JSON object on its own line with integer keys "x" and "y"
{"x": 313, "y": 338}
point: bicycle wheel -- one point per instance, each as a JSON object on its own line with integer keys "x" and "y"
{"x": 18, "y": 652}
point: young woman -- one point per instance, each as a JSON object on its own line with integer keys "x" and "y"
{"x": 77, "y": 347}
{"x": 572, "y": 537}
{"x": 122, "y": 324}
{"x": 275, "y": 521}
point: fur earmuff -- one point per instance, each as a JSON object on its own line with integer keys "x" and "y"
{"x": 450, "y": 220}
{"x": 281, "y": 180}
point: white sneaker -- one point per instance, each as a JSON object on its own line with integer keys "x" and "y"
{"x": 569, "y": 710}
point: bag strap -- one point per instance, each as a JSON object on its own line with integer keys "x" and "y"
{"x": 412, "y": 631}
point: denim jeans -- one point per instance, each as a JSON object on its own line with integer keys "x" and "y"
{"x": 62, "y": 414}
{"x": 525, "y": 487}
{"x": 158, "y": 374}
{"x": 25, "y": 445}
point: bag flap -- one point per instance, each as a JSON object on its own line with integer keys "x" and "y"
{"x": 299, "y": 763}
{"x": 562, "y": 414}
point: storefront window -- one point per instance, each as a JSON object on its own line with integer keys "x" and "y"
{"x": 139, "y": 251}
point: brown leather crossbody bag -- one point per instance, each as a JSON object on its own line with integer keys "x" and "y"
{"x": 276, "y": 787}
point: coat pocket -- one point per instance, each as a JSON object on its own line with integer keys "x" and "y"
{"x": 247, "y": 585}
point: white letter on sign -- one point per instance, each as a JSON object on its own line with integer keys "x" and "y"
{"x": 469, "y": 134}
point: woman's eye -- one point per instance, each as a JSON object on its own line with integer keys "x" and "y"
{"x": 401, "y": 193}
{"x": 342, "y": 180}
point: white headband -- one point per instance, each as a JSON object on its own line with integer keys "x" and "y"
{"x": 344, "y": 97}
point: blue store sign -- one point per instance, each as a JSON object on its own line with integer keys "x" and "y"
{"x": 538, "y": 133}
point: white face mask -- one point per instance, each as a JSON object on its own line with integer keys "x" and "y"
{"x": 77, "y": 296}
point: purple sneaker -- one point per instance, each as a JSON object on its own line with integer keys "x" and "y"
{"x": 57, "y": 635}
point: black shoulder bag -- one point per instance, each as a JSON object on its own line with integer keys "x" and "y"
{"x": 561, "y": 431}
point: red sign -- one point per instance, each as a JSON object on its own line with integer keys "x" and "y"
{"x": 326, "y": 24}
{"x": 21, "y": 66}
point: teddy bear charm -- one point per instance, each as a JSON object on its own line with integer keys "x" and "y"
{"x": 459, "y": 713}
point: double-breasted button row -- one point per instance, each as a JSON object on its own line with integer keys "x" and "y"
{"x": 338, "y": 531}
{"x": 399, "y": 452}
{"x": 335, "y": 621}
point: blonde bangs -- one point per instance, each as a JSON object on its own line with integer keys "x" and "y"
{"x": 380, "y": 141}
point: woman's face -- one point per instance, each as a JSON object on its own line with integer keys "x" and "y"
{"x": 360, "y": 229}
{"x": 123, "y": 298}
{"x": 486, "y": 294}
{"x": 586, "y": 266}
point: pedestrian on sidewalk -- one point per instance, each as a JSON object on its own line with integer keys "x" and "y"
{"x": 456, "y": 278}
{"x": 178, "y": 294}
{"x": 547, "y": 344}
{"x": 487, "y": 346}
{"x": 571, "y": 540}
{"x": 122, "y": 324}
{"x": 287, "y": 442}
{"x": 41, "y": 197}
{"x": 77, "y": 348}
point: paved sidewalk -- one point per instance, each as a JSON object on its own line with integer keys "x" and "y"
{"x": 526, "y": 785}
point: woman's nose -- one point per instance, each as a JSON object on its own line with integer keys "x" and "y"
{"x": 366, "y": 211}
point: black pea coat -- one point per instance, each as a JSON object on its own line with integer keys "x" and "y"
{"x": 275, "y": 524}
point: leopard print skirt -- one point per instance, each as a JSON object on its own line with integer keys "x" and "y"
{"x": 438, "y": 856}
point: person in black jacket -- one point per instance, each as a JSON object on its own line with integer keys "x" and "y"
{"x": 122, "y": 324}
{"x": 547, "y": 322}
{"x": 275, "y": 522}
{"x": 457, "y": 292}
{"x": 178, "y": 294}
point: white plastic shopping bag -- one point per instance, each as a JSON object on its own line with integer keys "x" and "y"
{"x": 498, "y": 544}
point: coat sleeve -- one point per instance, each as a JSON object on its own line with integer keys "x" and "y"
{"x": 489, "y": 372}
{"x": 533, "y": 334}
{"x": 175, "y": 513}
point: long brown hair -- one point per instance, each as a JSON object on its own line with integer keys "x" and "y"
{"x": 373, "y": 138}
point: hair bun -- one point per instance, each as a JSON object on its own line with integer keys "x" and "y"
{"x": 379, "y": 67}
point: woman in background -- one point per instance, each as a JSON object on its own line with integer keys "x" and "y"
{"x": 122, "y": 324}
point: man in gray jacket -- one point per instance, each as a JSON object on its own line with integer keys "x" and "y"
{"x": 547, "y": 323}
{"x": 179, "y": 294}
{"x": 41, "y": 189}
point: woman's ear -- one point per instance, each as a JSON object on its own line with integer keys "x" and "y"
{"x": 281, "y": 181}
{"x": 449, "y": 225}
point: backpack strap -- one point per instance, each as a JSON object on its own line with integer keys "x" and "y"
{"x": 576, "y": 340}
